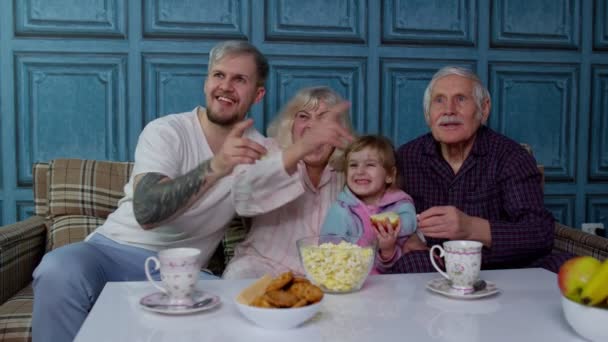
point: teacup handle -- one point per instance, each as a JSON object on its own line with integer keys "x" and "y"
{"x": 441, "y": 254}
{"x": 156, "y": 268}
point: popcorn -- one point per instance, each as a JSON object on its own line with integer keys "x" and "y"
{"x": 337, "y": 267}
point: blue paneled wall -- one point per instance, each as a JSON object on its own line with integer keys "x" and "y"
{"x": 81, "y": 78}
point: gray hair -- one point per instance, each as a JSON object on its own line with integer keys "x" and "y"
{"x": 307, "y": 99}
{"x": 240, "y": 47}
{"x": 480, "y": 92}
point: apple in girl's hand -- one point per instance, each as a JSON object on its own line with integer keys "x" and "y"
{"x": 392, "y": 217}
{"x": 574, "y": 274}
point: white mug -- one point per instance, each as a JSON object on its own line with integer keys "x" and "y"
{"x": 179, "y": 271}
{"x": 462, "y": 263}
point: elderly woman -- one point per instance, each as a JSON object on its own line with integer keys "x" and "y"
{"x": 289, "y": 191}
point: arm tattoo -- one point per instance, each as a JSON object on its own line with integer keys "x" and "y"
{"x": 155, "y": 201}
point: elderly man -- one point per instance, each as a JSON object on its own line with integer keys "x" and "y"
{"x": 471, "y": 183}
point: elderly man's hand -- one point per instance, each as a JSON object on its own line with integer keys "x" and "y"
{"x": 445, "y": 222}
{"x": 448, "y": 222}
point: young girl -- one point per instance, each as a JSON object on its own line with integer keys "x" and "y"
{"x": 371, "y": 188}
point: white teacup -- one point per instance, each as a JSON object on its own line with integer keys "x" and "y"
{"x": 462, "y": 263}
{"x": 179, "y": 271}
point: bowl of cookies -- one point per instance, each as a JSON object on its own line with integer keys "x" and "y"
{"x": 282, "y": 302}
{"x": 337, "y": 264}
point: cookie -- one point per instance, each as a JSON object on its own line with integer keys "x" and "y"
{"x": 297, "y": 279}
{"x": 281, "y": 299}
{"x": 262, "y": 302}
{"x": 307, "y": 291}
{"x": 300, "y": 303}
{"x": 280, "y": 281}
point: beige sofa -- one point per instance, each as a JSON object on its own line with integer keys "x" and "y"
{"x": 73, "y": 197}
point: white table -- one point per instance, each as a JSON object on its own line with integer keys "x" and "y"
{"x": 389, "y": 307}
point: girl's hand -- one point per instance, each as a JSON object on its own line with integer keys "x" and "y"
{"x": 387, "y": 237}
{"x": 414, "y": 243}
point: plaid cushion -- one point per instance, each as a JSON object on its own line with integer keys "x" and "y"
{"x": 580, "y": 243}
{"x": 40, "y": 188}
{"x": 236, "y": 233}
{"x": 21, "y": 248}
{"x": 86, "y": 187}
{"x": 16, "y": 317}
{"x": 69, "y": 229}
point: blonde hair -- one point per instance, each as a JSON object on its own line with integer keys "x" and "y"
{"x": 240, "y": 47}
{"x": 385, "y": 149}
{"x": 307, "y": 99}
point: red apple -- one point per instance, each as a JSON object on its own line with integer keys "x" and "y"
{"x": 574, "y": 274}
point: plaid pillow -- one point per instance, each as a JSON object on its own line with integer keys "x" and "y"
{"x": 86, "y": 187}
{"x": 16, "y": 317}
{"x": 236, "y": 233}
{"x": 69, "y": 229}
{"x": 577, "y": 242}
{"x": 40, "y": 174}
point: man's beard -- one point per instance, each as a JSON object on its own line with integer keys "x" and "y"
{"x": 221, "y": 121}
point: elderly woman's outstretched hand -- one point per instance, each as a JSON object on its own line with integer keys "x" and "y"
{"x": 328, "y": 130}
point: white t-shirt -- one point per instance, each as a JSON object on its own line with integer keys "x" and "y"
{"x": 174, "y": 145}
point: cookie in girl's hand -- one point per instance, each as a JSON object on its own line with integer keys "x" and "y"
{"x": 392, "y": 217}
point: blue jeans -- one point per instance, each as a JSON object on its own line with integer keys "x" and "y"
{"x": 69, "y": 279}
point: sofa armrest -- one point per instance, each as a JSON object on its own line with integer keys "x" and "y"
{"x": 575, "y": 241}
{"x": 21, "y": 249}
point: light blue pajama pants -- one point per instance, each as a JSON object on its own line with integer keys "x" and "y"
{"x": 69, "y": 279}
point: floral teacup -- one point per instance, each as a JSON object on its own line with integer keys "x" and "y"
{"x": 462, "y": 263}
{"x": 179, "y": 269}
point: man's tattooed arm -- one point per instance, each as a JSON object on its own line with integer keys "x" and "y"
{"x": 158, "y": 199}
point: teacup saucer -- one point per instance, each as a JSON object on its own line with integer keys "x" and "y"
{"x": 442, "y": 286}
{"x": 160, "y": 302}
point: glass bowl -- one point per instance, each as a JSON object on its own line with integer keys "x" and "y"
{"x": 337, "y": 264}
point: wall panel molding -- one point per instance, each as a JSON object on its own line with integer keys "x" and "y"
{"x": 534, "y": 24}
{"x": 597, "y": 208}
{"x": 24, "y": 209}
{"x": 562, "y": 207}
{"x": 430, "y": 22}
{"x": 344, "y": 75}
{"x": 402, "y": 88}
{"x": 196, "y": 19}
{"x": 600, "y": 32}
{"x": 296, "y": 20}
{"x": 598, "y": 152}
{"x": 81, "y": 78}
{"x": 173, "y": 83}
{"x": 71, "y": 18}
{"x": 69, "y": 105}
{"x": 543, "y": 98}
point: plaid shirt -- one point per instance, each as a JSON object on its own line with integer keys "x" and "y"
{"x": 499, "y": 181}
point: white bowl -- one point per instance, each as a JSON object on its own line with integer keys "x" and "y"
{"x": 589, "y": 322}
{"x": 279, "y": 319}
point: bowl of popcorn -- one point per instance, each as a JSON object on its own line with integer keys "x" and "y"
{"x": 337, "y": 264}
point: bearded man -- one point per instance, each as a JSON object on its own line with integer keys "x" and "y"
{"x": 178, "y": 195}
